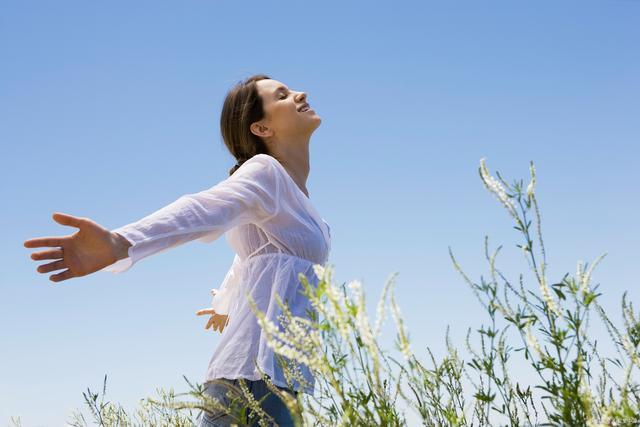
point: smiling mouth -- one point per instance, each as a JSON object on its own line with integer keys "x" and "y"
{"x": 305, "y": 107}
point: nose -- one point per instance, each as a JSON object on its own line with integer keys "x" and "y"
{"x": 302, "y": 96}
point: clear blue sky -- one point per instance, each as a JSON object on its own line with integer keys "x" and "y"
{"x": 111, "y": 111}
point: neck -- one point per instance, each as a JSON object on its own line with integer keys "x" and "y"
{"x": 295, "y": 159}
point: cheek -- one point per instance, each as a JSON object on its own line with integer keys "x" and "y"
{"x": 284, "y": 115}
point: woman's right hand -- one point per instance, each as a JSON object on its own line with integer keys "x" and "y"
{"x": 217, "y": 321}
{"x": 88, "y": 250}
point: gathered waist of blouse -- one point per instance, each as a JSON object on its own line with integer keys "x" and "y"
{"x": 260, "y": 273}
{"x": 280, "y": 252}
{"x": 252, "y": 257}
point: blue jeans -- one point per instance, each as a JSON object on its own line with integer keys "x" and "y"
{"x": 272, "y": 404}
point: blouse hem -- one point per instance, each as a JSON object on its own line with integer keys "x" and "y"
{"x": 255, "y": 377}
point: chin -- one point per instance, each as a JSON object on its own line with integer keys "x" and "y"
{"x": 316, "y": 122}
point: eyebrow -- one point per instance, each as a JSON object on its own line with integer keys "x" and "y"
{"x": 279, "y": 88}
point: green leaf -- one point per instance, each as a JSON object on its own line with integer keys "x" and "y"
{"x": 559, "y": 293}
{"x": 483, "y": 397}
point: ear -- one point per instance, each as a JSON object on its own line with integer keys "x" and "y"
{"x": 258, "y": 129}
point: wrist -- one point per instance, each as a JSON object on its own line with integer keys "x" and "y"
{"x": 120, "y": 246}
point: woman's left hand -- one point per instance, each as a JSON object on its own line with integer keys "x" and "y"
{"x": 218, "y": 321}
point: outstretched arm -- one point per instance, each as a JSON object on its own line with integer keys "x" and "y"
{"x": 249, "y": 195}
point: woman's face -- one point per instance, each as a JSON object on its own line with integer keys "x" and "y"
{"x": 284, "y": 119}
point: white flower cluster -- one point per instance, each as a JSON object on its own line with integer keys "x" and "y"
{"x": 255, "y": 406}
{"x": 380, "y": 311}
{"x": 548, "y": 298}
{"x": 405, "y": 348}
{"x": 293, "y": 373}
{"x": 496, "y": 187}
{"x": 319, "y": 270}
{"x": 586, "y": 397}
{"x": 362, "y": 321}
{"x": 631, "y": 351}
{"x": 532, "y": 341}
{"x": 294, "y": 337}
{"x": 298, "y": 346}
{"x": 323, "y": 272}
{"x": 532, "y": 183}
{"x": 584, "y": 277}
{"x": 363, "y": 326}
{"x": 355, "y": 286}
{"x": 580, "y": 276}
{"x": 336, "y": 311}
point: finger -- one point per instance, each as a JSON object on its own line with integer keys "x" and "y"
{"x": 70, "y": 220}
{"x": 209, "y": 323}
{"x": 61, "y": 276}
{"x": 204, "y": 311}
{"x": 44, "y": 241}
{"x": 214, "y": 326}
{"x": 221, "y": 321}
{"x": 50, "y": 254}
{"x": 57, "y": 265}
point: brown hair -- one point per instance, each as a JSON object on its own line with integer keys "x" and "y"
{"x": 242, "y": 106}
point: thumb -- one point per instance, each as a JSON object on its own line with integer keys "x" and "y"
{"x": 69, "y": 220}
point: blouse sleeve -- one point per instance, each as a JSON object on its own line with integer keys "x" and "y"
{"x": 249, "y": 195}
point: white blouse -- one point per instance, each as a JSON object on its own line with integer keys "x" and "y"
{"x": 276, "y": 233}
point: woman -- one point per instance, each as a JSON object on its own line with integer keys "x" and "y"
{"x": 269, "y": 220}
